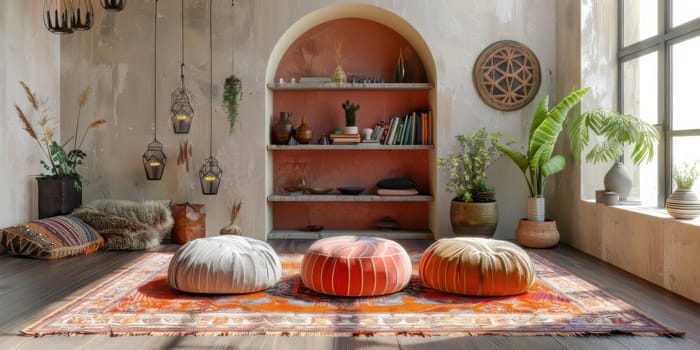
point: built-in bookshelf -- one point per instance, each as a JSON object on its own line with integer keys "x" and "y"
{"x": 383, "y": 106}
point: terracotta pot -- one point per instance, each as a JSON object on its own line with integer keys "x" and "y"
{"x": 683, "y": 204}
{"x": 537, "y": 234}
{"x": 474, "y": 219}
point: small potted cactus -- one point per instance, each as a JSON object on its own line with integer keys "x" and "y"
{"x": 350, "y": 109}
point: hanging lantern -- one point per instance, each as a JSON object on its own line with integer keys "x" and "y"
{"x": 113, "y": 5}
{"x": 58, "y": 16}
{"x": 210, "y": 176}
{"x": 181, "y": 111}
{"x": 154, "y": 157}
{"x": 83, "y": 14}
{"x": 154, "y": 161}
{"x": 210, "y": 173}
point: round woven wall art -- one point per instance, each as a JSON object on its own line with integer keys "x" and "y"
{"x": 507, "y": 75}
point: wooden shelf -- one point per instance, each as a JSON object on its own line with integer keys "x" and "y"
{"x": 333, "y": 197}
{"x": 391, "y": 234}
{"x": 349, "y": 86}
{"x": 353, "y": 147}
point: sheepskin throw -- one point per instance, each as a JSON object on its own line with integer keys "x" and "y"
{"x": 127, "y": 225}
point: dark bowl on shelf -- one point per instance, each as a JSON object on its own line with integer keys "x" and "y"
{"x": 351, "y": 190}
{"x": 312, "y": 228}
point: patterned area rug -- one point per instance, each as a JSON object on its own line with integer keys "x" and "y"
{"x": 139, "y": 301}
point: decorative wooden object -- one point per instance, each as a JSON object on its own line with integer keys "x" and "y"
{"x": 185, "y": 155}
{"x": 507, "y": 75}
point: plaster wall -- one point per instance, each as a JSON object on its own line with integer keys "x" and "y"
{"x": 29, "y": 53}
{"x": 116, "y": 59}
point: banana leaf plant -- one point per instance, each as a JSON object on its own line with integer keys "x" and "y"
{"x": 538, "y": 163}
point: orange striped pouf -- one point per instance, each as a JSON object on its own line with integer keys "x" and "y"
{"x": 476, "y": 266}
{"x": 355, "y": 266}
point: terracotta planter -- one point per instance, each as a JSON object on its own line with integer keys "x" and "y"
{"x": 683, "y": 204}
{"x": 474, "y": 219}
{"x": 537, "y": 234}
{"x": 58, "y": 196}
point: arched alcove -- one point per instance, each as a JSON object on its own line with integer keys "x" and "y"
{"x": 366, "y": 41}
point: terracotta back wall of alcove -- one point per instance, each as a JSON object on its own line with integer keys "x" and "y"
{"x": 361, "y": 46}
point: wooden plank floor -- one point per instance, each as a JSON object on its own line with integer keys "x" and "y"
{"x": 31, "y": 288}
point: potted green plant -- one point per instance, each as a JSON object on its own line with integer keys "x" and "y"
{"x": 350, "y": 109}
{"x": 538, "y": 163}
{"x": 473, "y": 210}
{"x": 60, "y": 187}
{"x": 683, "y": 202}
{"x": 617, "y": 130}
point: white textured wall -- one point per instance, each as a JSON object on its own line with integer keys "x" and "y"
{"x": 116, "y": 58}
{"x": 29, "y": 53}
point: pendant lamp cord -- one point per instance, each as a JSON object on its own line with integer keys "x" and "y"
{"x": 233, "y": 17}
{"x": 182, "y": 46}
{"x": 155, "y": 60}
{"x": 211, "y": 80}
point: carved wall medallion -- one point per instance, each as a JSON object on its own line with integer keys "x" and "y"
{"x": 507, "y": 75}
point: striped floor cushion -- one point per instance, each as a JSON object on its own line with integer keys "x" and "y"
{"x": 51, "y": 238}
{"x": 355, "y": 266}
{"x": 224, "y": 265}
{"x": 476, "y": 266}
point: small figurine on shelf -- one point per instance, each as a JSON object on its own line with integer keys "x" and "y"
{"x": 350, "y": 109}
{"x": 339, "y": 75}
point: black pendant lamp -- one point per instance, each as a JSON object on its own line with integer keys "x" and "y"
{"x": 154, "y": 157}
{"x": 210, "y": 173}
{"x": 181, "y": 111}
{"x": 58, "y": 16}
{"x": 113, "y": 5}
{"x": 83, "y": 14}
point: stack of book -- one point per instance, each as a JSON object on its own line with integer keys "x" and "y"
{"x": 412, "y": 129}
{"x": 339, "y": 139}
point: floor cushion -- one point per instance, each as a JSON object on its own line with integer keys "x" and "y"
{"x": 128, "y": 225}
{"x": 51, "y": 238}
{"x": 355, "y": 266}
{"x": 224, "y": 265}
{"x": 476, "y": 266}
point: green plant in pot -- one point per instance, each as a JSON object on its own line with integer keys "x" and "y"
{"x": 473, "y": 210}
{"x": 617, "y": 130}
{"x": 60, "y": 186}
{"x": 350, "y": 110}
{"x": 537, "y": 164}
{"x": 683, "y": 202}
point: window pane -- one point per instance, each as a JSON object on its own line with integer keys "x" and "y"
{"x": 685, "y": 151}
{"x": 684, "y": 80}
{"x": 640, "y": 20}
{"x": 684, "y": 11}
{"x": 640, "y": 87}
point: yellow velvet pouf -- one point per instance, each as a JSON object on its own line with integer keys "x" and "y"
{"x": 476, "y": 266}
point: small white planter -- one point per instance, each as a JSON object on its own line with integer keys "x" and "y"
{"x": 535, "y": 208}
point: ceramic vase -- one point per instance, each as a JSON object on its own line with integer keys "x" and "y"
{"x": 619, "y": 180}
{"x": 303, "y": 132}
{"x": 400, "y": 68}
{"x": 283, "y": 128}
{"x": 535, "y": 209}
{"x": 683, "y": 204}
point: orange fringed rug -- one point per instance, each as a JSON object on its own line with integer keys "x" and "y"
{"x": 139, "y": 301}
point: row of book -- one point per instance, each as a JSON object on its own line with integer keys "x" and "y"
{"x": 412, "y": 129}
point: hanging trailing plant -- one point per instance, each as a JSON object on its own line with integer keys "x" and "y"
{"x": 232, "y": 95}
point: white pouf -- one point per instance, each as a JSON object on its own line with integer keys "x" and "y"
{"x": 224, "y": 265}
